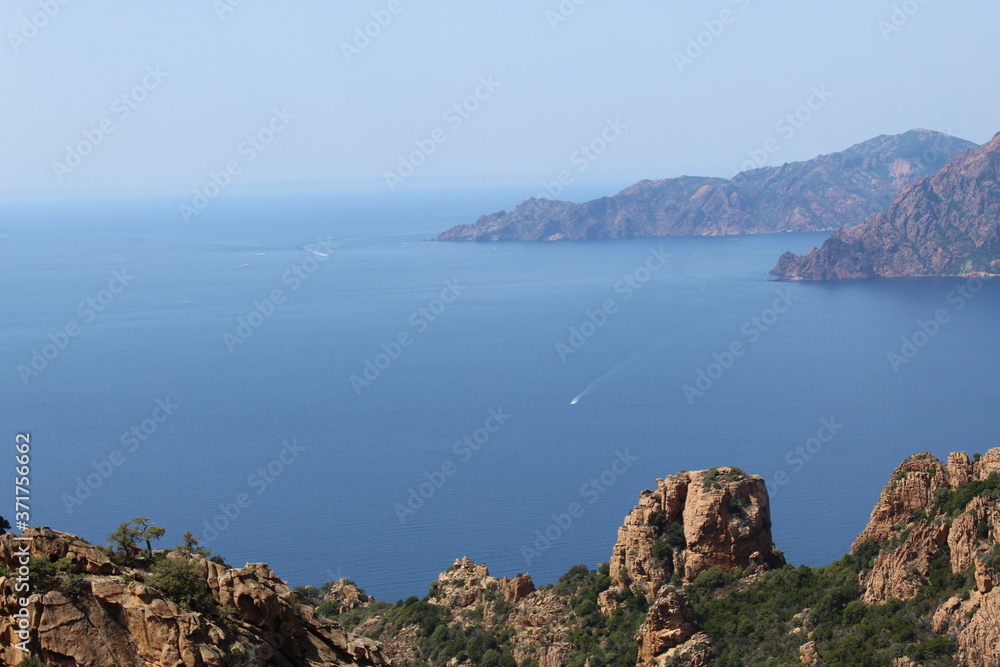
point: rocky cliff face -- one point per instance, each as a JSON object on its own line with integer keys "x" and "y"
{"x": 632, "y": 610}
{"x": 694, "y": 580}
{"x": 828, "y": 192}
{"x": 934, "y": 521}
{"x": 98, "y": 614}
{"x": 694, "y": 521}
{"x": 946, "y": 224}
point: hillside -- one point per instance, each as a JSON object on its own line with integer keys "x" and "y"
{"x": 825, "y": 193}
{"x": 944, "y": 225}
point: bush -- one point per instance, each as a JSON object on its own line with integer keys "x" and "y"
{"x": 673, "y": 535}
{"x": 180, "y": 581}
{"x": 952, "y": 502}
{"x": 44, "y": 573}
{"x": 74, "y": 587}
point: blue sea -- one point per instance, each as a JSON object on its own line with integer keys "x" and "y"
{"x": 305, "y": 379}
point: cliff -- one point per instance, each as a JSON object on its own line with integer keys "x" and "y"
{"x": 692, "y": 522}
{"x": 633, "y": 610}
{"x": 90, "y": 612}
{"x": 946, "y": 224}
{"x": 825, "y": 193}
{"x": 935, "y": 522}
{"x": 694, "y": 579}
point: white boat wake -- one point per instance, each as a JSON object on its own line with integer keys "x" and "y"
{"x": 596, "y": 383}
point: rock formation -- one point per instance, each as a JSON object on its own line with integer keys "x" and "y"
{"x": 345, "y": 596}
{"x": 933, "y": 519}
{"x": 694, "y": 521}
{"x": 929, "y": 553}
{"x": 102, "y": 615}
{"x": 462, "y": 585}
{"x": 944, "y": 225}
{"x": 825, "y": 193}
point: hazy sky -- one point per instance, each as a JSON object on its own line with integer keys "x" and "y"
{"x": 554, "y": 86}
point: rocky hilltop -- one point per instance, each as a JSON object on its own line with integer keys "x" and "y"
{"x": 630, "y": 611}
{"x": 89, "y": 612}
{"x": 694, "y": 579}
{"x": 825, "y": 193}
{"x": 946, "y": 224}
{"x": 692, "y": 522}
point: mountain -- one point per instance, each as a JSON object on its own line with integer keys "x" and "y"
{"x": 825, "y": 193}
{"x": 694, "y": 579}
{"x": 947, "y": 224}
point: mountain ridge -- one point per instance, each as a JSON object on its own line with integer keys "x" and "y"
{"x": 827, "y": 192}
{"x": 947, "y": 224}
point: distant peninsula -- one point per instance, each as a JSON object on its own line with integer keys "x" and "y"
{"x": 828, "y": 192}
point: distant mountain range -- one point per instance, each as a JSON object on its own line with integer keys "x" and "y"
{"x": 947, "y": 224}
{"x": 826, "y": 193}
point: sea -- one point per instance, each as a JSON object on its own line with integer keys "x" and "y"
{"x": 306, "y": 379}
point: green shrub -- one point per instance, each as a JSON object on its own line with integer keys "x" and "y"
{"x": 74, "y": 587}
{"x": 180, "y": 581}
{"x": 44, "y": 573}
{"x": 673, "y": 535}
{"x": 951, "y": 502}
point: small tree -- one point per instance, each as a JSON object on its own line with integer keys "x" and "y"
{"x": 124, "y": 538}
{"x": 191, "y": 546}
{"x": 4, "y": 525}
{"x": 148, "y": 533}
{"x": 130, "y": 532}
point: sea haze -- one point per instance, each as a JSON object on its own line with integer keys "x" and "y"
{"x": 334, "y": 508}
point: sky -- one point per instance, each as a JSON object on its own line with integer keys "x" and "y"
{"x": 132, "y": 96}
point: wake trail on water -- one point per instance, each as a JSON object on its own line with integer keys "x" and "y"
{"x": 597, "y": 383}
